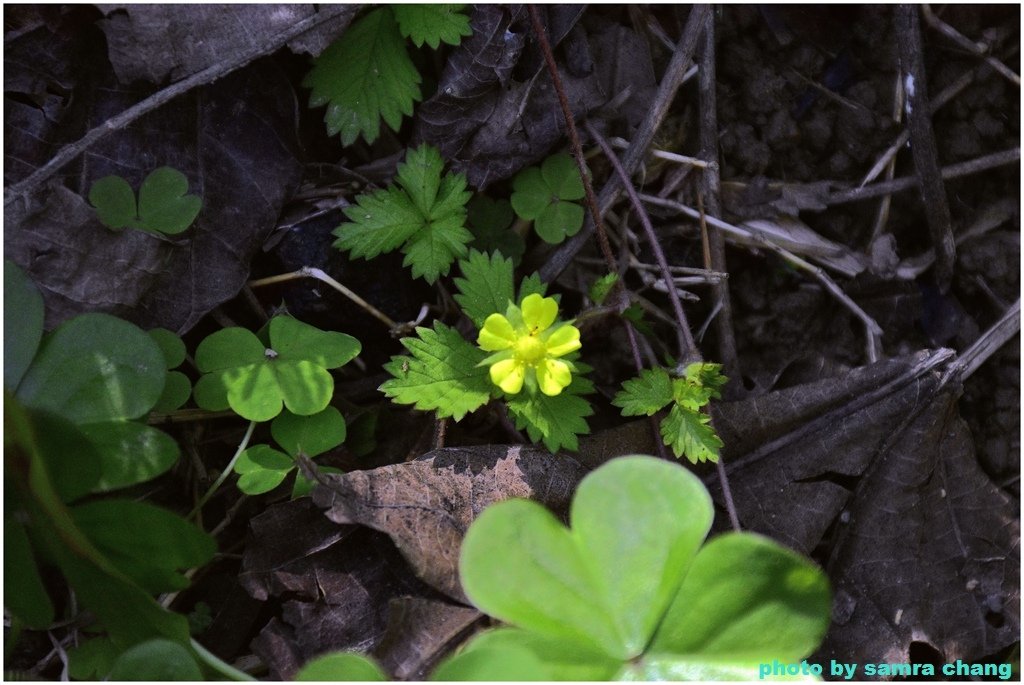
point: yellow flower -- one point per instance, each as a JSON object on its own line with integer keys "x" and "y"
{"x": 527, "y": 346}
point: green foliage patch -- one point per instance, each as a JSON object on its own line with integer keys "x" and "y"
{"x": 164, "y": 205}
{"x": 545, "y": 194}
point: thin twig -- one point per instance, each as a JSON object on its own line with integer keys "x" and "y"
{"x": 971, "y": 166}
{"x": 710, "y": 191}
{"x": 673, "y": 78}
{"x": 922, "y": 143}
{"x": 225, "y": 473}
{"x": 687, "y": 348}
{"x": 985, "y": 346}
{"x": 874, "y": 332}
{"x": 320, "y": 275}
{"x": 264, "y": 47}
{"x": 979, "y": 49}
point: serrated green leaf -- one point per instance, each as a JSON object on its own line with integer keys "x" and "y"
{"x": 431, "y": 252}
{"x": 707, "y": 375}
{"x": 691, "y": 395}
{"x": 556, "y": 420}
{"x": 688, "y": 432}
{"x": 602, "y": 287}
{"x": 364, "y": 76}
{"x": 442, "y": 375}
{"x": 432, "y": 24}
{"x": 532, "y": 284}
{"x": 148, "y": 544}
{"x": 23, "y": 321}
{"x": 164, "y": 203}
{"x": 309, "y": 435}
{"x": 485, "y": 287}
{"x": 261, "y": 469}
{"x": 114, "y": 201}
{"x": 420, "y": 176}
{"x": 646, "y": 394}
{"x": 381, "y": 222}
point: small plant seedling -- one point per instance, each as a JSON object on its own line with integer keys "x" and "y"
{"x": 163, "y": 207}
{"x": 256, "y": 380}
{"x": 423, "y": 214}
{"x": 262, "y": 468}
{"x": 687, "y": 428}
{"x": 367, "y": 74}
{"x": 531, "y": 365}
{"x": 545, "y": 196}
{"x": 650, "y": 599}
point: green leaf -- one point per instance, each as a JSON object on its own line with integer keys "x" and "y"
{"x": 129, "y": 452}
{"x": 432, "y": 24}
{"x": 341, "y": 666}
{"x": 442, "y": 375}
{"x": 72, "y": 460}
{"x": 486, "y": 286}
{"x": 746, "y": 599}
{"x": 689, "y": 395}
{"x": 171, "y": 344}
{"x": 637, "y": 523}
{"x": 561, "y": 660}
{"x": 423, "y": 214}
{"x": 94, "y": 368}
{"x": 543, "y": 195}
{"x": 24, "y": 594}
{"x": 114, "y": 201}
{"x": 156, "y": 661}
{"x": 146, "y": 543}
{"x": 304, "y": 486}
{"x": 706, "y": 375}
{"x": 164, "y": 205}
{"x": 660, "y": 668}
{"x": 646, "y": 394}
{"x": 558, "y": 420}
{"x": 487, "y": 664}
{"x": 309, "y": 435}
{"x": 23, "y": 321}
{"x": 490, "y": 223}
{"x": 364, "y": 76}
{"x": 262, "y": 468}
{"x": 688, "y": 432}
{"x": 602, "y": 287}
{"x": 257, "y": 382}
{"x": 177, "y": 389}
{"x": 532, "y": 284}
{"x": 128, "y": 613}
{"x": 92, "y": 659}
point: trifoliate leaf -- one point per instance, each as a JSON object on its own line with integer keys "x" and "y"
{"x": 486, "y": 286}
{"x": 432, "y": 24}
{"x": 256, "y": 381}
{"x": 556, "y": 420}
{"x": 543, "y": 195}
{"x": 442, "y": 375}
{"x": 646, "y": 394}
{"x": 688, "y": 432}
{"x": 163, "y": 207}
{"x": 261, "y": 469}
{"x": 364, "y": 76}
{"x": 490, "y": 222}
{"x": 423, "y": 213}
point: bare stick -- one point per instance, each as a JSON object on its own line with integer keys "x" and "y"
{"x": 971, "y": 166}
{"x": 687, "y": 348}
{"x": 922, "y": 143}
{"x": 979, "y": 49}
{"x": 984, "y": 347}
{"x": 670, "y": 83}
{"x": 710, "y": 189}
{"x": 320, "y": 275}
{"x": 71, "y": 151}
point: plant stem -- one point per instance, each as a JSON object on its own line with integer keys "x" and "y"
{"x": 321, "y": 275}
{"x": 226, "y": 472}
{"x": 220, "y": 667}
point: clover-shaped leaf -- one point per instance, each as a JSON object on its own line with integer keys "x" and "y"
{"x": 177, "y": 386}
{"x": 164, "y": 205}
{"x": 544, "y": 195}
{"x": 262, "y": 468}
{"x": 630, "y": 586}
{"x": 256, "y": 382}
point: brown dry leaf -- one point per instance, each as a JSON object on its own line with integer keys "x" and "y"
{"x": 426, "y": 505}
{"x": 420, "y": 633}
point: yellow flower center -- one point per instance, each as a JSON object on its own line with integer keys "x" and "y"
{"x": 529, "y": 349}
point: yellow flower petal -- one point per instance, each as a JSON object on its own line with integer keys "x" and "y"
{"x": 553, "y": 376}
{"x": 539, "y": 312}
{"x": 562, "y": 341}
{"x": 508, "y": 375}
{"x": 497, "y": 334}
